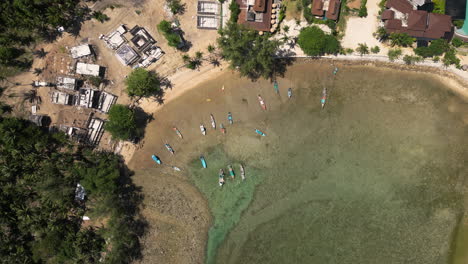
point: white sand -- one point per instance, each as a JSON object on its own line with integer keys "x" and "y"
{"x": 360, "y": 30}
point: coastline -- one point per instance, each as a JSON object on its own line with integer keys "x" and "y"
{"x": 184, "y": 80}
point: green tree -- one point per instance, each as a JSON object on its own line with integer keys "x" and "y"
{"x": 456, "y": 42}
{"x": 375, "y": 49}
{"x": 363, "y": 9}
{"x": 101, "y": 17}
{"x": 173, "y": 38}
{"x": 394, "y": 54}
{"x": 314, "y": 42}
{"x": 401, "y": 39}
{"x": 381, "y": 34}
{"x": 235, "y": 11}
{"x": 142, "y": 83}
{"x": 362, "y": 49}
{"x": 450, "y": 58}
{"x": 176, "y": 6}
{"x": 247, "y": 51}
{"x": 437, "y": 48}
{"x": 121, "y": 124}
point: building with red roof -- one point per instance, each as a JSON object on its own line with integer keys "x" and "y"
{"x": 330, "y": 9}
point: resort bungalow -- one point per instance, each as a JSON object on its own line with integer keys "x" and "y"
{"x": 89, "y": 69}
{"x": 106, "y": 100}
{"x": 208, "y": 14}
{"x": 88, "y": 98}
{"x": 328, "y": 9}
{"x": 63, "y": 98}
{"x": 66, "y": 83}
{"x": 80, "y": 51}
{"x": 95, "y": 130}
{"x": 401, "y": 16}
{"x": 256, "y": 14}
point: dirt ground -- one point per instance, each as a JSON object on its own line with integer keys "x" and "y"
{"x": 354, "y": 4}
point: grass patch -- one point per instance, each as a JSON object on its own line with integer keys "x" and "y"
{"x": 293, "y": 9}
{"x": 226, "y": 203}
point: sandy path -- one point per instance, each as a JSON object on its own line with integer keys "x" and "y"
{"x": 359, "y": 30}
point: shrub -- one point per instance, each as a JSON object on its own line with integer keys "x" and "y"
{"x": 437, "y": 48}
{"x": 458, "y": 23}
{"x": 408, "y": 59}
{"x": 314, "y": 42}
{"x": 436, "y": 59}
{"x": 394, "y": 54}
{"x": 381, "y": 34}
{"x": 176, "y": 6}
{"x": 456, "y": 42}
{"x": 375, "y": 49}
{"x": 450, "y": 58}
{"x": 99, "y": 16}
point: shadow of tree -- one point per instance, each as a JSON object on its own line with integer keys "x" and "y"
{"x": 141, "y": 119}
{"x": 281, "y": 66}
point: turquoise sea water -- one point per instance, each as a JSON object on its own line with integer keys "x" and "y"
{"x": 375, "y": 177}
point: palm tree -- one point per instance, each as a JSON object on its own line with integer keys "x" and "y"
{"x": 37, "y": 71}
{"x": 211, "y": 48}
{"x": 198, "y": 55}
{"x": 186, "y": 58}
{"x": 40, "y": 53}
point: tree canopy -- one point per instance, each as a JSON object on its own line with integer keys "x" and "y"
{"x": 40, "y": 219}
{"x": 314, "y": 42}
{"x": 247, "y": 51}
{"x": 142, "y": 83}
{"x": 437, "y": 48}
{"x": 401, "y": 39}
{"x": 122, "y": 123}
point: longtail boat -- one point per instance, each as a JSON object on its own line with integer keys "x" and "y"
{"x": 213, "y": 122}
{"x": 203, "y": 162}
{"x": 289, "y": 93}
{"x": 275, "y": 85}
{"x": 260, "y": 132}
{"x": 202, "y": 129}
{"x": 177, "y": 132}
{"x": 242, "y": 171}
{"x": 335, "y": 71}
{"x": 221, "y": 177}
{"x": 230, "y": 118}
{"x": 324, "y": 97}
{"x": 156, "y": 159}
{"x": 223, "y": 129}
{"x": 169, "y": 148}
{"x": 231, "y": 172}
{"x": 262, "y": 102}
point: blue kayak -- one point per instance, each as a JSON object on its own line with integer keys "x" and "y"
{"x": 156, "y": 159}
{"x": 203, "y": 162}
{"x": 260, "y": 132}
{"x": 230, "y": 118}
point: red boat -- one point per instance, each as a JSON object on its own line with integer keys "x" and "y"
{"x": 262, "y": 103}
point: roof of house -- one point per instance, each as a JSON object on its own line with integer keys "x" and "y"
{"x": 333, "y": 9}
{"x": 438, "y": 26}
{"x": 400, "y": 5}
{"x": 87, "y": 69}
{"x": 393, "y": 24}
{"x": 126, "y": 55}
{"x": 387, "y": 14}
{"x": 80, "y": 51}
{"x": 417, "y": 20}
{"x": 317, "y": 8}
{"x": 259, "y": 6}
{"x": 263, "y": 25}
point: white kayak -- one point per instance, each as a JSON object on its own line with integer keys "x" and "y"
{"x": 203, "y": 129}
{"x": 213, "y": 122}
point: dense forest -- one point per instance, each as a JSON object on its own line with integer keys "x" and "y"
{"x": 41, "y": 219}
{"x": 25, "y": 22}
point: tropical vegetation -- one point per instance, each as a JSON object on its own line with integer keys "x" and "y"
{"x": 314, "y": 42}
{"x": 142, "y": 83}
{"x": 41, "y": 219}
{"x": 401, "y": 39}
{"x": 172, "y": 36}
{"x": 122, "y": 122}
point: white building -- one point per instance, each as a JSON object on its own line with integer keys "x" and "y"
{"x": 66, "y": 83}
{"x": 95, "y": 130}
{"x": 88, "y": 69}
{"x": 62, "y": 98}
{"x": 106, "y": 100}
{"x": 80, "y": 51}
{"x": 86, "y": 98}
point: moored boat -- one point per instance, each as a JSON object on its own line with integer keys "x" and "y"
{"x": 203, "y": 161}
{"x": 289, "y": 92}
{"x": 242, "y": 171}
{"x": 223, "y": 129}
{"x": 260, "y": 132}
{"x": 262, "y": 102}
{"x": 324, "y": 97}
{"x": 156, "y": 159}
{"x": 231, "y": 172}
{"x": 177, "y": 132}
{"x": 213, "y": 122}
{"x": 230, "y": 118}
{"x": 335, "y": 71}
{"x": 169, "y": 148}
{"x": 202, "y": 129}
{"x": 275, "y": 85}
{"x": 221, "y": 177}
{"x": 176, "y": 168}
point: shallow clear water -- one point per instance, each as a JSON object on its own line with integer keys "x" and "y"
{"x": 375, "y": 177}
